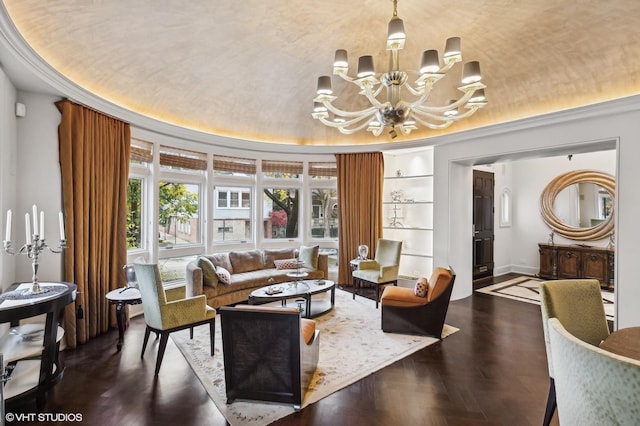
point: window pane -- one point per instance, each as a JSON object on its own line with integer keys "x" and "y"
{"x": 231, "y": 220}
{"x": 134, "y": 214}
{"x": 281, "y": 213}
{"x": 178, "y": 214}
{"x": 324, "y": 213}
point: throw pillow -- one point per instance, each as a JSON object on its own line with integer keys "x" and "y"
{"x": 309, "y": 255}
{"x": 286, "y": 263}
{"x": 421, "y": 287}
{"x": 223, "y": 275}
{"x": 209, "y": 276}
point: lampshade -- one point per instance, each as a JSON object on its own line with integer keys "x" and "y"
{"x": 478, "y": 96}
{"x": 471, "y": 72}
{"x": 430, "y": 62}
{"x": 452, "y": 47}
{"x": 341, "y": 59}
{"x": 396, "y": 35}
{"x": 319, "y": 107}
{"x": 365, "y": 66}
{"x": 324, "y": 85}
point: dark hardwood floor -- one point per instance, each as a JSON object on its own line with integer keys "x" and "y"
{"x": 492, "y": 372}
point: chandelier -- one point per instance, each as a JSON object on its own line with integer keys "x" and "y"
{"x": 394, "y": 112}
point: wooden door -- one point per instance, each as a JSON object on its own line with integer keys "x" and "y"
{"x": 483, "y": 211}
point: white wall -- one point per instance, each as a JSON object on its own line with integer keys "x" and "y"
{"x": 38, "y": 180}
{"x": 597, "y": 127}
{"x": 7, "y": 169}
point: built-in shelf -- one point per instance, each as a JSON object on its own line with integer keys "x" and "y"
{"x": 409, "y": 177}
{"x": 407, "y": 202}
{"x": 407, "y": 228}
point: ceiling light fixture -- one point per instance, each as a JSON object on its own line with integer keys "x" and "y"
{"x": 394, "y": 112}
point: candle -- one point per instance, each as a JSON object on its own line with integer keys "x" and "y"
{"x": 7, "y": 235}
{"x": 35, "y": 220}
{"x": 42, "y": 224}
{"x": 27, "y": 228}
{"x": 61, "y": 220}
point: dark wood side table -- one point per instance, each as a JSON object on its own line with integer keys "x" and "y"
{"x": 49, "y": 368}
{"x": 625, "y": 342}
{"x": 121, "y": 298}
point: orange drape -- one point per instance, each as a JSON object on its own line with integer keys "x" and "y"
{"x": 360, "y": 183}
{"x": 94, "y": 164}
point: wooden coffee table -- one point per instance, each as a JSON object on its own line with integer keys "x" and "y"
{"x": 303, "y": 291}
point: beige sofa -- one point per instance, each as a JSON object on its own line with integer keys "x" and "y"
{"x": 249, "y": 269}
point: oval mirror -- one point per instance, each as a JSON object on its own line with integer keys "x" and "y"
{"x": 579, "y": 205}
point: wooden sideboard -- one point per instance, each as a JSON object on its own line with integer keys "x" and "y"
{"x": 577, "y": 261}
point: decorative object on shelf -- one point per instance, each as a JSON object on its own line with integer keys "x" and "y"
{"x": 396, "y": 195}
{"x": 395, "y": 112}
{"x": 399, "y": 173}
{"x": 363, "y": 251}
{"x": 395, "y": 219}
{"x": 34, "y": 245}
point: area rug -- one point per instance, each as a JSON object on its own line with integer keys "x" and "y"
{"x": 527, "y": 289}
{"x": 352, "y": 346}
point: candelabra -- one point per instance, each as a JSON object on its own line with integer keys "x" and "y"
{"x": 33, "y": 246}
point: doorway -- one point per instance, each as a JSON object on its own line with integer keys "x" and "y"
{"x": 483, "y": 235}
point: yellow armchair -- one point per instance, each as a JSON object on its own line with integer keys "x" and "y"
{"x": 169, "y": 311}
{"x": 383, "y": 269}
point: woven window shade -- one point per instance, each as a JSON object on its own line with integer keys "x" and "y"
{"x": 183, "y": 159}
{"x": 234, "y": 165}
{"x": 323, "y": 170}
{"x": 141, "y": 151}
{"x": 271, "y": 166}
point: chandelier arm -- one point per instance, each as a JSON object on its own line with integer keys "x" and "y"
{"x": 333, "y": 123}
{"x": 343, "y": 113}
{"x": 431, "y": 125}
{"x": 366, "y": 89}
{"x": 434, "y": 109}
{"x": 343, "y": 126}
{"x": 423, "y": 95}
{"x": 418, "y": 113}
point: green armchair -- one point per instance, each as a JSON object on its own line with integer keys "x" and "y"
{"x": 380, "y": 271}
{"x": 169, "y": 311}
{"x": 577, "y": 304}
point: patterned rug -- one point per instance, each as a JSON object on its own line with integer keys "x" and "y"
{"x": 352, "y": 346}
{"x": 526, "y": 289}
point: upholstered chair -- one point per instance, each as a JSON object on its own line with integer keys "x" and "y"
{"x": 383, "y": 269}
{"x": 169, "y": 311}
{"x": 270, "y": 353}
{"x": 593, "y": 386}
{"x": 421, "y": 309}
{"x": 577, "y": 304}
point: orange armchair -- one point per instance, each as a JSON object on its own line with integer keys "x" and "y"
{"x": 406, "y": 313}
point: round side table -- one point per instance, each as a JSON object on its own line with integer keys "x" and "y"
{"x": 122, "y": 297}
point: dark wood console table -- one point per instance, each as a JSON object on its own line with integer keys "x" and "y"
{"x": 577, "y": 261}
{"x": 32, "y": 356}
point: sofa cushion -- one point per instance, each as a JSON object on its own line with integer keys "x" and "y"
{"x": 438, "y": 283}
{"x": 209, "y": 276}
{"x": 286, "y": 263}
{"x": 421, "y": 287}
{"x": 270, "y": 255}
{"x": 307, "y": 329}
{"x": 223, "y": 275}
{"x": 401, "y": 296}
{"x": 246, "y": 260}
{"x": 309, "y": 255}
{"x": 221, "y": 259}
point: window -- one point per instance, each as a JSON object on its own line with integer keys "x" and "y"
{"x": 178, "y": 214}
{"x": 324, "y": 200}
{"x": 282, "y": 169}
{"x": 281, "y": 206}
{"x": 134, "y": 213}
{"x": 324, "y": 213}
{"x": 233, "y": 214}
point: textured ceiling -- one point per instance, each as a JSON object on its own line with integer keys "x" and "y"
{"x": 248, "y": 69}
